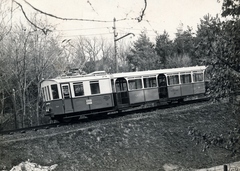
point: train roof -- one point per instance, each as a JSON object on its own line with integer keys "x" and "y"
{"x": 89, "y": 77}
{"x": 98, "y": 75}
{"x": 160, "y": 71}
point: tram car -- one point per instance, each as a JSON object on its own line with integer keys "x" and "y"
{"x": 101, "y": 93}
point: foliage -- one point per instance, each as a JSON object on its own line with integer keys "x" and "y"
{"x": 183, "y": 43}
{"x": 142, "y": 55}
{"x": 219, "y": 42}
{"x": 164, "y": 47}
{"x": 231, "y": 8}
{"x": 230, "y": 141}
{"x": 178, "y": 52}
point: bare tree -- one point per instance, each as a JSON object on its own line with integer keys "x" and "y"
{"x": 86, "y": 53}
{"x": 29, "y": 56}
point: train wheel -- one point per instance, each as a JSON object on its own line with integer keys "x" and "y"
{"x": 180, "y": 101}
{"x": 92, "y": 117}
{"x": 103, "y": 115}
{"x": 64, "y": 120}
{"x": 97, "y": 116}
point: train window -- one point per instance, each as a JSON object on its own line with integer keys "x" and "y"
{"x": 54, "y": 91}
{"x": 150, "y": 82}
{"x": 135, "y": 84}
{"x": 173, "y": 79}
{"x": 198, "y": 76}
{"x": 43, "y": 94}
{"x": 112, "y": 84}
{"x": 94, "y": 85}
{"x": 78, "y": 89}
{"x": 186, "y": 78}
{"x": 46, "y": 94}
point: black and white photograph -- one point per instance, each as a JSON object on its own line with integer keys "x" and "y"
{"x": 120, "y": 85}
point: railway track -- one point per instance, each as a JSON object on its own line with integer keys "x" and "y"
{"x": 109, "y": 116}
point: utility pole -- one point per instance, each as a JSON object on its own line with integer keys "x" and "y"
{"x": 115, "y": 42}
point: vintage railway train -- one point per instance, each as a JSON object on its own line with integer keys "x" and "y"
{"x": 85, "y": 95}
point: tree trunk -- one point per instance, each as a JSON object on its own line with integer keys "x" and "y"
{"x": 37, "y": 104}
{"x": 2, "y": 108}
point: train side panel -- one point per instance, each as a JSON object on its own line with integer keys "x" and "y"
{"x": 199, "y": 88}
{"x": 80, "y": 104}
{"x": 136, "y": 96}
{"x": 55, "y": 106}
{"x": 151, "y": 94}
{"x": 97, "y": 95}
{"x": 101, "y": 101}
{"x": 174, "y": 91}
{"x": 187, "y": 89}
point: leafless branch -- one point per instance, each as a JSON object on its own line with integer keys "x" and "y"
{"x": 61, "y": 18}
{"x": 44, "y": 30}
{"x": 143, "y": 12}
{"x": 92, "y": 7}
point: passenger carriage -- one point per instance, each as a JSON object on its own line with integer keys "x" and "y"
{"x": 69, "y": 96}
{"x": 164, "y": 85}
{"x": 99, "y": 92}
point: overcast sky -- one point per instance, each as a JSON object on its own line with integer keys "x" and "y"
{"x": 160, "y": 15}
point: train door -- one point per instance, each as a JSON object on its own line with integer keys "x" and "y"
{"x": 66, "y": 97}
{"x": 162, "y": 87}
{"x": 122, "y": 96}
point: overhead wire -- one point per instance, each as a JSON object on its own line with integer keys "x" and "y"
{"x": 85, "y": 35}
{"x": 74, "y": 19}
{"x": 96, "y": 28}
{"x": 92, "y": 20}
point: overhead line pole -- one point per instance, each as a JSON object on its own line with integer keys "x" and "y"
{"x": 115, "y": 43}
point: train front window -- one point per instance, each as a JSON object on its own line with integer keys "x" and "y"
{"x": 78, "y": 89}
{"x": 54, "y": 89}
{"x": 135, "y": 84}
{"x": 150, "y": 82}
{"x": 43, "y": 95}
{"x": 65, "y": 90}
{"x": 46, "y": 93}
{"x": 94, "y": 85}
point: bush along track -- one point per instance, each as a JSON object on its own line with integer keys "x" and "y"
{"x": 229, "y": 141}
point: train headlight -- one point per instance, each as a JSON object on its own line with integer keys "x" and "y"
{"x": 48, "y": 109}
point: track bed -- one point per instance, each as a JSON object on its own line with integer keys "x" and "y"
{"x": 143, "y": 141}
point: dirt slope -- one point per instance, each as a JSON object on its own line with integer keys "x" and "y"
{"x": 150, "y": 141}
